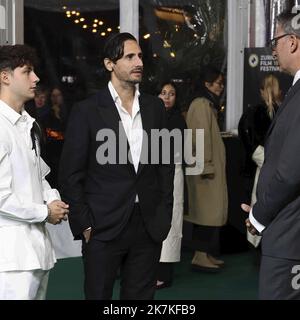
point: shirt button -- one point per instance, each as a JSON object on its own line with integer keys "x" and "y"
{"x": 24, "y": 118}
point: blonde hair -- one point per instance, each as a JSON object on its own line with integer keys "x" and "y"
{"x": 271, "y": 93}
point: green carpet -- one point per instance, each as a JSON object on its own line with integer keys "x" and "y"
{"x": 237, "y": 281}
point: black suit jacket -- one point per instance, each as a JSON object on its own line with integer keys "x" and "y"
{"x": 278, "y": 189}
{"x": 103, "y": 196}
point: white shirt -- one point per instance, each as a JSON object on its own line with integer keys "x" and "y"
{"x": 24, "y": 192}
{"x": 257, "y": 225}
{"x": 297, "y": 77}
{"x": 132, "y": 125}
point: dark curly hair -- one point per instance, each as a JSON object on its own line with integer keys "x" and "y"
{"x": 14, "y": 56}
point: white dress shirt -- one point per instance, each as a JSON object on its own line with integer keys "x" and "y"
{"x": 257, "y": 225}
{"x": 24, "y": 192}
{"x": 132, "y": 125}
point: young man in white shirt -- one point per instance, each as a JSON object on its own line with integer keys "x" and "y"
{"x": 26, "y": 199}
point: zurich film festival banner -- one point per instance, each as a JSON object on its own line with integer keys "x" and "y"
{"x": 259, "y": 62}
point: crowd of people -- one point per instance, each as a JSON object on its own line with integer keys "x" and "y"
{"x": 129, "y": 212}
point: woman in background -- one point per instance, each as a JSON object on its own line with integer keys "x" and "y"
{"x": 253, "y": 127}
{"x": 54, "y": 125}
{"x": 207, "y": 192}
{"x": 171, "y": 247}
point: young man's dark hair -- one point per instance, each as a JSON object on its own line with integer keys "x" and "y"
{"x": 114, "y": 46}
{"x": 13, "y": 56}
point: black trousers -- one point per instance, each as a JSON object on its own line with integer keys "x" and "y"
{"x": 165, "y": 271}
{"x": 279, "y": 279}
{"x": 206, "y": 239}
{"x": 134, "y": 253}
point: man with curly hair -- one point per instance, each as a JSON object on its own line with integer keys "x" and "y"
{"x": 26, "y": 199}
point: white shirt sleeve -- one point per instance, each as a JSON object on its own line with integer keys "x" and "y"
{"x": 11, "y": 206}
{"x": 258, "y": 226}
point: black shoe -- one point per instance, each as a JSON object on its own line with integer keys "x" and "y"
{"x": 165, "y": 284}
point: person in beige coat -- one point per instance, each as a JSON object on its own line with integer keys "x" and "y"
{"x": 207, "y": 192}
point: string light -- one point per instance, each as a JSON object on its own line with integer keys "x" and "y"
{"x": 172, "y": 54}
{"x": 166, "y": 44}
{"x": 95, "y": 23}
{"x": 147, "y": 36}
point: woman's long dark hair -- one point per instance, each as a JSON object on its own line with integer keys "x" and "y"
{"x": 171, "y": 83}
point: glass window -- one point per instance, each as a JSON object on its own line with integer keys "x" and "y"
{"x": 69, "y": 39}
{"x": 178, "y": 38}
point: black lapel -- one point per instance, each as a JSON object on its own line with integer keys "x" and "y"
{"x": 292, "y": 91}
{"x": 146, "y": 116}
{"x": 110, "y": 115}
{"x": 108, "y": 110}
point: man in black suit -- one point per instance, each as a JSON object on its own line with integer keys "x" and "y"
{"x": 120, "y": 209}
{"x": 276, "y": 215}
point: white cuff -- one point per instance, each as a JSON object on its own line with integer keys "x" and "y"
{"x": 51, "y": 195}
{"x": 258, "y": 226}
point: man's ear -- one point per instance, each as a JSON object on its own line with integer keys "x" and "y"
{"x": 109, "y": 65}
{"x": 294, "y": 43}
{"x": 4, "y": 77}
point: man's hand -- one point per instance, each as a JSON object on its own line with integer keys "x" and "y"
{"x": 87, "y": 235}
{"x": 245, "y": 207}
{"x": 58, "y": 212}
{"x": 249, "y": 226}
